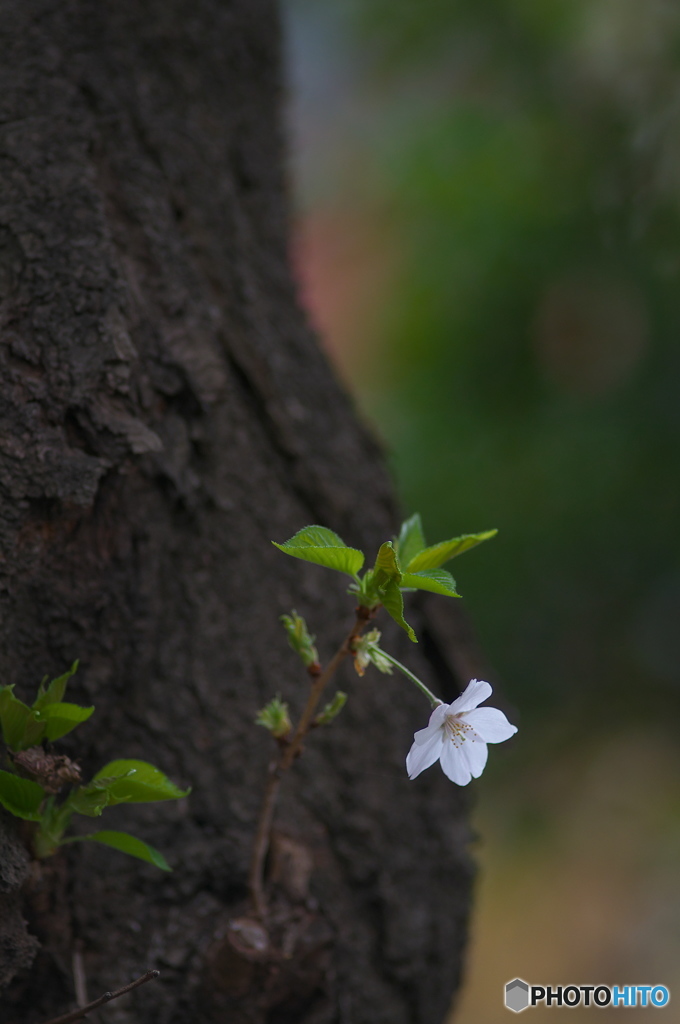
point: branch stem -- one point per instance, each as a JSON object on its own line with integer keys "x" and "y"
{"x": 76, "y": 1015}
{"x": 434, "y": 701}
{"x": 288, "y": 754}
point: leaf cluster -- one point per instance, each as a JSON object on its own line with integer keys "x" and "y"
{"x": 48, "y": 718}
{"x": 30, "y": 788}
{"x": 402, "y": 564}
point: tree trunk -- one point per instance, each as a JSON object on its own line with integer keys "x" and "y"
{"x": 165, "y": 415}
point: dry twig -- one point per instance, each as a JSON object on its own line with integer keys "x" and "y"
{"x": 76, "y": 1015}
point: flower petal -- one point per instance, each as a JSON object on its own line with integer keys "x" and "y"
{"x": 491, "y": 724}
{"x": 434, "y": 725}
{"x": 475, "y": 692}
{"x": 454, "y": 765}
{"x": 475, "y": 753}
{"x": 422, "y": 755}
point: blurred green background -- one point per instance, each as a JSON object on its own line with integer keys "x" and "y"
{"x": 488, "y": 197}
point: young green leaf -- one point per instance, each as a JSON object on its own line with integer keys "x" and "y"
{"x": 386, "y": 565}
{"x": 411, "y": 539}
{"x": 393, "y": 603}
{"x": 126, "y": 844}
{"x": 300, "y": 639}
{"x": 323, "y": 547}
{"x": 14, "y": 715}
{"x": 136, "y": 782}
{"x": 433, "y": 557}
{"x": 332, "y": 709}
{"x": 438, "y": 581}
{"x": 54, "y": 693}
{"x": 366, "y": 590}
{"x": 21, "y": 797}
{"x": 274, "y": 717}
{"x": 89, "y": 800}
{"x": 54, "y": 820}
{"x": 21, "y": 728}
{"x": 315, "y": 537}
{"x": 61, "y": 718}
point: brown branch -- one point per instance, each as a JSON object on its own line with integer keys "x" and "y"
{"x": 75, "y": 1015}
{"x": 289, "y": 752}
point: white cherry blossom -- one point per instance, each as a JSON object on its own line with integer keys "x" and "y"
{"x": 457, "y": 735}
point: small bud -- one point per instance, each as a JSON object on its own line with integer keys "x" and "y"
{"x": 367, "y": 651}
{"x": 300, "y": 638}
{"x": 274, "y": 717}
{"x": 332, "y": 710}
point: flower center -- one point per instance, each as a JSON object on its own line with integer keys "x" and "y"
{"x": 458, "y": 730}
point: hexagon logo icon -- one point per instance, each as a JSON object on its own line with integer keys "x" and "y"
{"x": 517, "y": 995}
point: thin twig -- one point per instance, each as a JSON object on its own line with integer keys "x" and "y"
{"x": 288, "y": 754}
{"x": 434, "y": 700}
{"x": 75, "y": 1015}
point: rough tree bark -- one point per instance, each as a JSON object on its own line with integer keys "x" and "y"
{"x": 165, "y": 414}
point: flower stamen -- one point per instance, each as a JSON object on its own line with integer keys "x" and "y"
{"x": 458, "y": 730}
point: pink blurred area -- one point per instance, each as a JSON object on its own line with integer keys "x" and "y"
{"x": 345, "y": 269}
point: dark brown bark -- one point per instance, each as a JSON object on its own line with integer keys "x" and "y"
{"x": 165, "y": 414}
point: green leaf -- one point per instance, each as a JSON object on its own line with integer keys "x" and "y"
{"x": 54, "y": 693}
{"x": 14, "y": 715}
{"x": 386, "y": 565}
{"x": 20, "y": 726}
{"x": 433, "y": 557}
{"x": 136, "y": 782}
{"x": 274, "y": 717}
{"x": 54, "y": 820}
{"x": 89, "y": 800}
{"x": 394, "y": 605}
{"x": 438, "y": 581}
{"x": 299, "y": 638}
{"x": 323, "y": 547}
{"x": 332, "y": 709}
{"x": 126, "y": 844}
{"x": 367, "y": 591}
{"x": 21, "y": 797}
{"x": 61, "y": 718}
{"x": 411, "y": 539}
{"x": 48, "y": 718}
